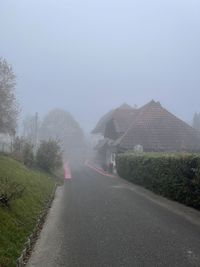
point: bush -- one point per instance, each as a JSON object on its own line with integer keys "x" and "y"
{"x": 28, "y": 155}
{"x": 175, "y": 176}
{"x": 17, "y": 148}
{"x": 49, "y": 156}
{"x": 23, "y": 152}
{"x": 10, "y": 191}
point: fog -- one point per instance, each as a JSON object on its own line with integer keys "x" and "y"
{"x": 90, "y": 56}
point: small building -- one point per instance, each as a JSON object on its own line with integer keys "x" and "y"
{"x": 111, "y": 127}
{"x": 158, "y": 130}
{"x": 150, "y": 128}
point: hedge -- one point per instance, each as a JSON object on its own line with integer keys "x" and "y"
{"x": 175, "y": 176}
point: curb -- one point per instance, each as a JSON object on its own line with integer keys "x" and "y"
{"x": 21, "y": 261}
{"x": 99, "y": 170}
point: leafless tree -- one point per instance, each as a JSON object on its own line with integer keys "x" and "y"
{"x": 196, "y": 121}
{"x": 8, "y": 105}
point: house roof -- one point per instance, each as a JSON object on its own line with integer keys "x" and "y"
{"x": 101, "y": 125}
{"x": 123, "y": 118}
{"x": 156, "y": 129}
{"x": 119, "y": 123}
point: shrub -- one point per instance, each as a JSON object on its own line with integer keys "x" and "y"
{"x": 28, "y": 155}
{"x": 10, "y": 191}
{"x": 176, "y": 176}
{"x": 49, "y": 156}
{"x": 17, "y": 149}
{"x": 23, "y": 151}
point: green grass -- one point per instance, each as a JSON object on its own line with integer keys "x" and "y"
{"x": 18, "y": 221}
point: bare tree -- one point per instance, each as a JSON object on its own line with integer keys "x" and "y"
{"x": 8, "y": 104}
{"x": 196, "y": 121}
{"x": 31, "y": 125}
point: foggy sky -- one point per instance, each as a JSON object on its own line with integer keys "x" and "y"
{"x": 90, "y": 56}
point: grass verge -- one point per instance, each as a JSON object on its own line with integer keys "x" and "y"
{"x": 18, "y": 221}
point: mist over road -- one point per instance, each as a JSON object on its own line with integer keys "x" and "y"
{"x": 105, "y": 221}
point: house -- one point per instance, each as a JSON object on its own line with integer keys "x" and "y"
{"x": 97, "y": 133}
{"x": 156, "y": 129}
{"x": 111, "y": 127}
{"x": 119, "y": 123}
{"x": 150, "y": 128}
{"x": 99, "y": 130}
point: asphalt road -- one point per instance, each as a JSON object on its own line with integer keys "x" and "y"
{"x": 103, "y": 221}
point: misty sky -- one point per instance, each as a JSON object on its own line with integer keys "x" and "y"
{"x": 90, "y": 56}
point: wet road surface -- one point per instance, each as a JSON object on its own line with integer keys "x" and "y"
{"x": 105, "y": 221}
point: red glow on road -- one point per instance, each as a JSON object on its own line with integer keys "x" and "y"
{"x": 67, "y": 172}
{"x": 100, "y": 171}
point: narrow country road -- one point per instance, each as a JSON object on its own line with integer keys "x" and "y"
{"x": 105, "y": 221}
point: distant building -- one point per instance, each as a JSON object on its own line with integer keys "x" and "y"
{"x": 150, "y": 128}
{"x": 100, "y": 127}
{"x": 156, "y": 129}
{"x": 109, "y": 128}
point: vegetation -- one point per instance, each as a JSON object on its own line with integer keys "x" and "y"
{"x": 60, "y": 125}
{"x": 31, "y": 125}
{"x": 28, "y": 155}
{"x": 29, "y": 190}
{"x": 175, "y": 176}
{"x": 23, "y": 152}
{"x": 17, "y": 148}
{"x": 49, "y": 156}
{"x": 23, "y": 191}
{"x": 196, "y": 121}
{"x": 8, "y": 104}
{"x": 9, "y": 191}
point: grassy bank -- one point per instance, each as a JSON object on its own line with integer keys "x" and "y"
{"x": 18, "y": 221}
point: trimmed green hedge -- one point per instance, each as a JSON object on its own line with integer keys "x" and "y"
{"x": 175, "y": 176}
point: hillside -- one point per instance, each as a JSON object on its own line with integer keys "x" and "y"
{"x": 18, "y": 221}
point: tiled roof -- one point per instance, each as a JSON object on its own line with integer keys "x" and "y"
{"x": 100, "y": 127}
{"x": 119, "y": 123}
{"x": 156, "y": 129}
